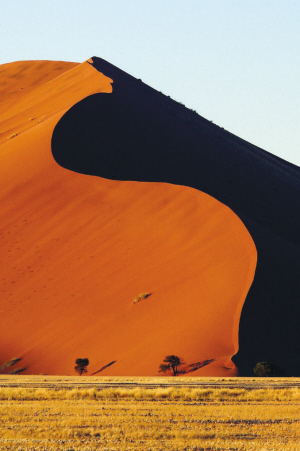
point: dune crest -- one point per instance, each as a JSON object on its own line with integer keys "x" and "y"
{"x": 77, "y": 249}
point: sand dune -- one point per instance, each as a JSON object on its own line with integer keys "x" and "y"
{"x": 76, "y": 250}
{"x": 137, "y": 133}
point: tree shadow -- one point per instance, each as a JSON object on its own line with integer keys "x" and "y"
{"x": 195, "y": 366}
{"x": 104, "y": 367}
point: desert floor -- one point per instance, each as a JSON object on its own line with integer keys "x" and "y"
{"x": 85, "y": 413}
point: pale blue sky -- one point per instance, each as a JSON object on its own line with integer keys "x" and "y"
{"x": 235, "y": 61}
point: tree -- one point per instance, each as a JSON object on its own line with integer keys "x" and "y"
{"x": 265, "y": 369}
{"x": 171, "y": 362}
{"x": 81, "y": 365}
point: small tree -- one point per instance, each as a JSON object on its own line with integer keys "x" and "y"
{"x": 81, "y": 365}
{"x": 265, "y": 369}
{"x": 171, "y": 362}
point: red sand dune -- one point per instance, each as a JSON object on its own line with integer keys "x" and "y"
{"x": 76, "y": 250}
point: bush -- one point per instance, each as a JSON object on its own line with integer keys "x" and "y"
{"x": 140, "y": 297}
{"x": 265, "y": 369}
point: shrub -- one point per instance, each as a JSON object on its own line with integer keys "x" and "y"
{"x": 140, "y": 297}
{"x": 265, "y": 369}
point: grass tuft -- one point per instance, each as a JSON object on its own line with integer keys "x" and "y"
{"x": 140, "y": 297}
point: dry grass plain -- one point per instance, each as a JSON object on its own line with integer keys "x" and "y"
{"x": 93, "y": 413}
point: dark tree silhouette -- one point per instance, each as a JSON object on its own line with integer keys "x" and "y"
{"x": 81, "y": 365}
{"x": 171, "y": 362}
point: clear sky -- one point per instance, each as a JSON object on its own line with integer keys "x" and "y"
{"x": 234, "y": 61}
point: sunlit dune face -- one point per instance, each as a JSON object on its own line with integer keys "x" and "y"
{"x": 78, "y": 250}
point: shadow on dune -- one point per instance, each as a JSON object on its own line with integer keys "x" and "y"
{"x": 9, "y": 367}
{"x": 104, "y": 367}
{"x": 196, "y": 366}
{"x": 137, "y": 133}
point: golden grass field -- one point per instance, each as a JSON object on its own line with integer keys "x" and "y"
{"x": 87, "y": 413}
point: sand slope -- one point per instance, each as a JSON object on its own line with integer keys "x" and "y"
{"x": 76, "y": 250}
{"x": 137, "y": 133}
